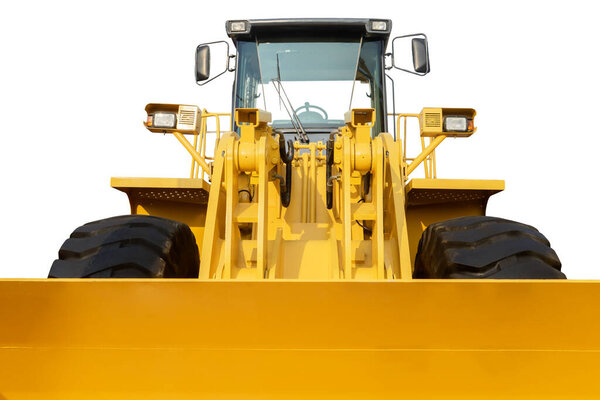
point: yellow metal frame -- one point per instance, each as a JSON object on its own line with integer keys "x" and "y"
{"x": 309, "y": 161}
{"x": 244, "y": 232}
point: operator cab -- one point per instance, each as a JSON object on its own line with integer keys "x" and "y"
{"x": 307, "y": 73}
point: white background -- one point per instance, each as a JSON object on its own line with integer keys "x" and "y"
{"x": 75, "y": 77}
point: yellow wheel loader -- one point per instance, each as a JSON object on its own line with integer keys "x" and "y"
{"x": 300, "y": 258}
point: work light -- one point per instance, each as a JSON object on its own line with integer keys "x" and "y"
{"x": 164, "y": 120}
{"x": 456, "y": 124}
{"x": 379, "y": 25}
{"x": 237, "y": 26}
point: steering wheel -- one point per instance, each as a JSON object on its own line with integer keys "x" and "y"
{"x": 311, "y": 116}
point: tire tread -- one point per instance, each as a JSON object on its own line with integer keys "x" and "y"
{"x": 485, "y": 247}
{"x": 128, "y": 246}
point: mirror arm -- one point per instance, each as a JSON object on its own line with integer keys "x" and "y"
{"x": 385, "y": 56}
{"x": 412, "y": 72}
{"x": 231, "y": 56}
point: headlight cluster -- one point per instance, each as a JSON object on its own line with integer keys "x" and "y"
{"x": 451, "y": 122}
{"x": 167, "y": 118}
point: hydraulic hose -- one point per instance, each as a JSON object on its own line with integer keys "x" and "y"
{"x": 285, "y": 197}
{"x": 328, "y": 165}
{"x": 285, "y": 185}
{"x": 366, "y": 183}
{"x": 286, "y": 156}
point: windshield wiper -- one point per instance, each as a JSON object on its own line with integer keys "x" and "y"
{"x": 300, "y": 132}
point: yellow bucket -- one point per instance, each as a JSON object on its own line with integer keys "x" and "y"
{"x": 192, "y": 339}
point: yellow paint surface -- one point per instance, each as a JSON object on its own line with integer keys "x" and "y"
{"x": 184, "y": 339}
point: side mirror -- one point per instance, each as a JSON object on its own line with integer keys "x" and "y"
{"x": 202, "y": 63}
{"x": 420, "y": 54}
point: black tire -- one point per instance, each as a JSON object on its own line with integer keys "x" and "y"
{"x": 485, "y": 247}
{"x": 129, "y": 246}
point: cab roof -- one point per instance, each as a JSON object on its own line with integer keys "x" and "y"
{"x": 323, "y": 27}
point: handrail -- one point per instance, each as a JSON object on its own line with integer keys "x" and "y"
{"x": 427, "y": 155}
{"x": 200, "y": 159}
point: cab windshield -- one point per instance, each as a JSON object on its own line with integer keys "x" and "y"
{"x": 315, "y": 82}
